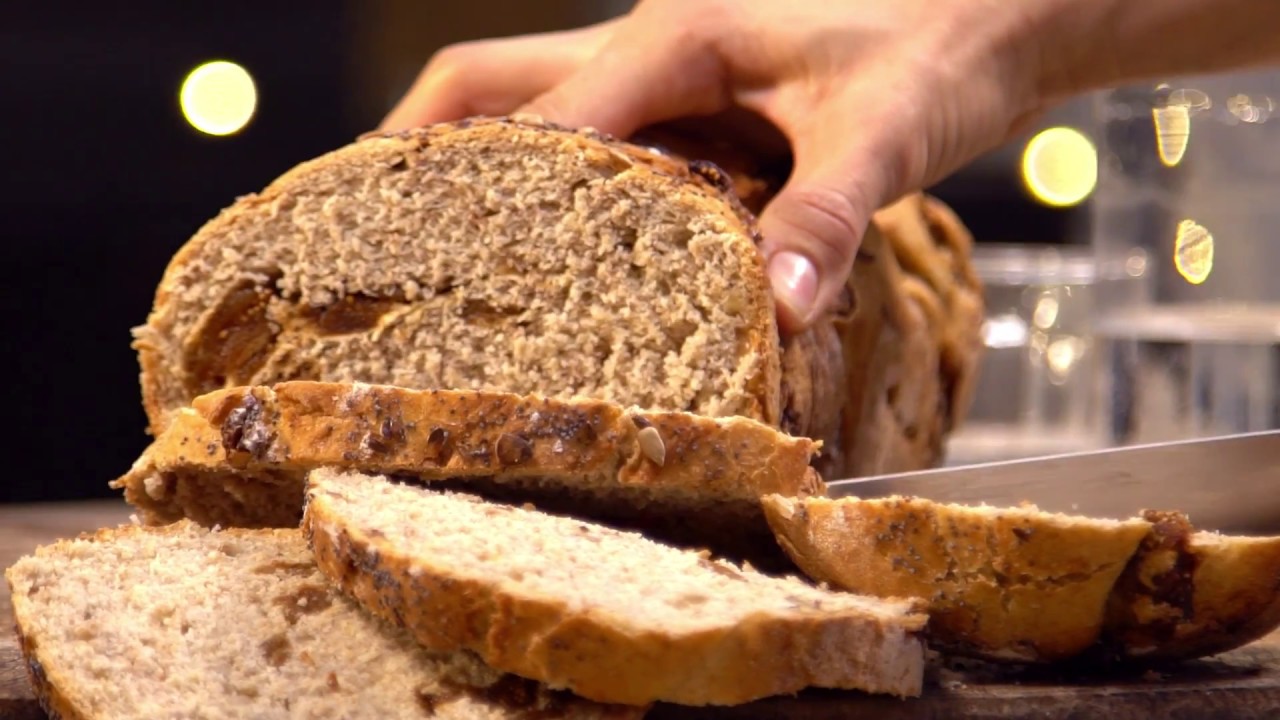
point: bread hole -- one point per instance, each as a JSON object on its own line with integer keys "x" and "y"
{"x": 891, "y": 394}
{"x": 911, "y": 431}
{"x": 626, "y": 237}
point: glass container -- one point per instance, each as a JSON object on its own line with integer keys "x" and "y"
{"x": 1184, "y": 226}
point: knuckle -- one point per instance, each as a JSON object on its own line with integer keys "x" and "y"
{"x": 451, "y": 60}
{"x": 829, "y": 218}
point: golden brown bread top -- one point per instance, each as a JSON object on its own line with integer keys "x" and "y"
{"x": 1002, "y": 583}
{"x": 1016, "y": 584}
{"x": 240, "y": 458}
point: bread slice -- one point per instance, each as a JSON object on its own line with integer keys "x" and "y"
{"x": 609, "y": 615}
{"x": 183, "y": 621}
{"x": 514, "y": 255}
{"x": 239, "y": 457}
{"x": 1189, "y": 594}
{"x": 1005, "y": 584}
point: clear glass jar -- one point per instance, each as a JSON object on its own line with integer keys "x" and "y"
{"x": 1186, "y": 236}
{"x": 1034, "y": 386}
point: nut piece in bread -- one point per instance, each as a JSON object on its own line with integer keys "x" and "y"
{"x": 1189, "y": 593}
{"x": 1003, "y": 584}
{"x": 610, "y": 615}
{"x": 239, "y": 457}
{"x": 135, "y": 623}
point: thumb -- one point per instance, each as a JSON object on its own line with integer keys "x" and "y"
{"x": 813, "y": 227}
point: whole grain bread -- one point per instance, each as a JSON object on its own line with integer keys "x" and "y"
{"x": 1189, "y": 593}
{"x": 511, "y": 254}
{"x": 239, "y": 457}
{"x": 1017, "y": 584}
{"x": 609, "y": 615}
{"x": 1004, "y": 584}
{"x": 184, "y": 622}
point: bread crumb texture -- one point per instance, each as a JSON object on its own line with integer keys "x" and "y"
{"x": 184, "y": 622}
{"x": 487, "y": 254}
{"x": 610, "y": 615}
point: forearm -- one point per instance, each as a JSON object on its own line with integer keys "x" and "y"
{"x": 1086, "y": 45}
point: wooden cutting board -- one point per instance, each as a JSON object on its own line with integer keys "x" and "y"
{"x": 1241, "y": 684}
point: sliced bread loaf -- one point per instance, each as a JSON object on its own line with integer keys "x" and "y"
{"x": 1189, "y": 593}
{"x": 184, "y": 622}
{"x": 240, "y": 456}
{"x": 511, "y": 254}
{"x": 1012, "y": 584}
{"x": 610, "y": 615}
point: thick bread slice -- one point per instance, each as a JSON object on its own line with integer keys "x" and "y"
{"x": 480, "y": 254}
{"x": 1189, "y": 594}
{"x": 186, "y": 622}
{"x": 239, "y": 457}
{"x": 610, "y": 615}
{"x": 1006, "y": 584}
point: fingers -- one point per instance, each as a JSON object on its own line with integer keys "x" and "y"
{"x": 813, "y": 228}
{"x": 639, "y": 78}
{"x": 493, "y": 77}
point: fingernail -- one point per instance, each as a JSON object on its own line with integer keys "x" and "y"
{"x": 795, "y": 282}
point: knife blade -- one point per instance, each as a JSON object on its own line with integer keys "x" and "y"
{"x": 1229, "y": 483}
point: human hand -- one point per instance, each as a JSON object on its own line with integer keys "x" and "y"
{"x": 876, "y": 98}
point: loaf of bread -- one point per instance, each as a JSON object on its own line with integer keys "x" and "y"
{"x": 239, "y": 457}
{"x": 609, "y": 615}
{"x": 514, "y": 255}
{"x": 1008, "y": 584}
{"x": 186, "y": 622}
{"x": 1017, "y": 584}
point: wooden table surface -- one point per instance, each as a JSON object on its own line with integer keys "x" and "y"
{"x": 1244, "y": 683}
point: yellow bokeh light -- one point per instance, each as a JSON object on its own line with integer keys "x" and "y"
{"x": 218, "y": 98}
{"x": 1193, "y": 252}
{"x": 1060, "y": 166}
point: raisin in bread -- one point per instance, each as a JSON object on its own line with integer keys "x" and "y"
{"x": 511, "y": 254}
{"x": 183, "y": 621}
{"x": 240, "y": 456}
{"x": 610, "y": 615}
{"x": 1190, "y": 593}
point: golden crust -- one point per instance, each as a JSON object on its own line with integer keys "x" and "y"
{"x": 239, "y": 457}
{"x": 1002, "y": 584}
{"x": 550, "y": 640}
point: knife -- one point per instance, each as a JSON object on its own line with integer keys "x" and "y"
{"x": 1229, "y": 483}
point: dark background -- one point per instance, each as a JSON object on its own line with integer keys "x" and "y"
{"x": 103, "y": 180}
